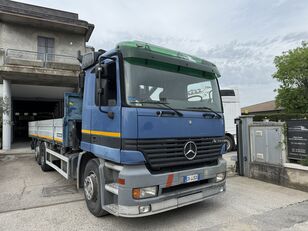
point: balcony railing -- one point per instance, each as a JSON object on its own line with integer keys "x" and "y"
{"x": 37, "y": 59}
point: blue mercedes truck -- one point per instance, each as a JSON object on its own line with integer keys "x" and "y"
{"x": 144, "y": 134}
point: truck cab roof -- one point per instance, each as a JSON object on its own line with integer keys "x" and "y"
{"x": 141, "y": 50}
{"x": 141, "y": 53}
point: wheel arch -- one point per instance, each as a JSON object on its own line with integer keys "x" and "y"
{"x": 83, "y": 159}
{"x": 229, "y": 135}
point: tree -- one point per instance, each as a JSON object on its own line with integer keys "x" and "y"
{"x": 292, "y": 73}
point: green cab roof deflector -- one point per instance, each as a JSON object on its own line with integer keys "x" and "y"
{"x": 145, "y": 54}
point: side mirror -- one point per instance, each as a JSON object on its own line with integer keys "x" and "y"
{"x": 101, "y": 71}
{"x": 81, "y": 81}
{"x": 101, "y": 92}
{"x": 101, "y": 74}
{"x": 103, "y": 79}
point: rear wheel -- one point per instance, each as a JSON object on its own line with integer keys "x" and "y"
{"x": 37, "y": 153}
{"x": 92, "y": 191}
{"x": 230, "y": 143}
{"x": 44, "y": 166}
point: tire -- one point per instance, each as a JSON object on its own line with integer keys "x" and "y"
{"x": 44, "y": 166}
{"x": 37, "y": 154}
{"x": 230, "y": 143}
{"x": 33, "y": 144}
{"x": 91, "y": 188}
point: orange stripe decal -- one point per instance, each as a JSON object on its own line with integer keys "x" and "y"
{"x": 101, "y": 133}
{"x": 48, "y": 137}
{"x": 169, "y": 180}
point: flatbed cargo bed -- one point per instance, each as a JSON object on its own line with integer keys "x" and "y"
{"x": 49, "y": 130}
{"x": 66, "y": 131}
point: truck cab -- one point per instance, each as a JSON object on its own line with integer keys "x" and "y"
{"x": 145, "y": 133}
{"x": 140, "y": 117}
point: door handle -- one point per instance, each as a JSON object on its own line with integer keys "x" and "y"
{"x": 94, "y": 139}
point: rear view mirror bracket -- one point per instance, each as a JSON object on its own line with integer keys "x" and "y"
{"x": 101, "y": 72}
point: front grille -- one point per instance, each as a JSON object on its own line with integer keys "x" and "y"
{"x": 168, "y": 154}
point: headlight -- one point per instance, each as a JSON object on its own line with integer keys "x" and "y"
{"x": 141, "y": 193}
{"x": 220, "y": 176}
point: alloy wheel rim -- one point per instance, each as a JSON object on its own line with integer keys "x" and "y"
{"x": 90, "y": 186}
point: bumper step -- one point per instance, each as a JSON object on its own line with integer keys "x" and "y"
{"x": 112, "y": 208}
{"x": 113, "y": 188}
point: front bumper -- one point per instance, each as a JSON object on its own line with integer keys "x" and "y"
{"x": 169, "y": 204}
{"x": 178, "y": 193}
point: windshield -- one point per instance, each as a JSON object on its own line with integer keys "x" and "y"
{"x": 144, "y": 85}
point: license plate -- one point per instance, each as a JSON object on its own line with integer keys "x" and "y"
{"x": 191, "y": 178}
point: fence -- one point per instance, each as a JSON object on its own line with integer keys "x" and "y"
{"x": 61, "y": 59}
{"x": 262, "y": 152}
{"x": 31, "y": 58}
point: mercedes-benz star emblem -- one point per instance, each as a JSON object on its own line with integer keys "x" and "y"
{"x": 190, "y": 150}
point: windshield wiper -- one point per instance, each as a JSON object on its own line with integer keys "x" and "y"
{"x": 161, "y": 103}
{"x": 206, "y": 108}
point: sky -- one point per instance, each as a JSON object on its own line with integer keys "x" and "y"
{"x": 241, "y": 37}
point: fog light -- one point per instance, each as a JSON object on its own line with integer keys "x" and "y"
{"x": 144, "y": 209}
{"x": 141, "y": 193}
{"x": 220, "y": 176}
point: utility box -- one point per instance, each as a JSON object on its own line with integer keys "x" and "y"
{"x": 267, "y": 143}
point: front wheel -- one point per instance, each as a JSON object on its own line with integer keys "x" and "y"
{"x": 91, "y": 187}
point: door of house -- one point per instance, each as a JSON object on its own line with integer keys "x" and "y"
{"x": 45, "y": 48}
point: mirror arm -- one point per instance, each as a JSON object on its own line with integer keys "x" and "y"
{"x": 109, "y": 113}
{"x": 102, "y": 58}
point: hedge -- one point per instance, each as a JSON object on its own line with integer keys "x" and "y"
{"x": 279, "y": 116}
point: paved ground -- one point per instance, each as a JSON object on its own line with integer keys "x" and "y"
{"x": 19, "y": 148}
{"x": 33, "y": 200}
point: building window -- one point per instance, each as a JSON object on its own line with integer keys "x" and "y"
{"x": 45, "y": 48}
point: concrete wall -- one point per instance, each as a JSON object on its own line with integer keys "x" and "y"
{"x": 296, "y": 178}
{"x": 262, "y": 155}
{"x": 19, "y": 37}
{"x": 288, "y": 177}
{"x": 37, "y": 92}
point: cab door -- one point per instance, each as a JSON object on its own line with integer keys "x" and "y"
{"x": 106, "y": 114}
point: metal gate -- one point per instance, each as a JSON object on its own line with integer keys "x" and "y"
{"x": 243, "y": 154}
